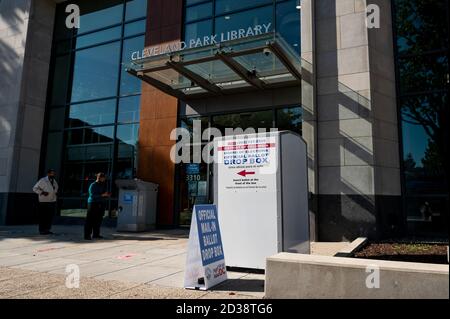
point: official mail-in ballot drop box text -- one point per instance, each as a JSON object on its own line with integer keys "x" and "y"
{"x": 261, "y": 193}
{"x": 137, "y": 205}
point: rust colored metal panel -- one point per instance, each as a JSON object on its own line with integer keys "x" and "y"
{"x": 159, "y": 112}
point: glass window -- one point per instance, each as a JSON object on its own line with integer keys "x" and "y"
{"x": 198, "y": 30}
{"x": 422, "y": 65}
{"x": 188, "y": 123}
{"x": 98, "y": 37}
{"x": 129, "y": 109}
{"x": 423, "y": 73}
{"x": 104, "y": 134}
{"x": 128, "y": 83}
{"x": 250, "y": 120}
{"x": 421, "y": 26}
{"x": 246, "y": 19}
{"x": 73, "y": 179}
{"x": 126, "y": 166}
{"x": 424, "y": 119}
{"x": 80, "y": 112}
{"x": 134, "y": 28}
{"x": 290, "y": 119}
{"x": 224, "y": 6}
{"x": 128, "y": 134}
{"x": 96, "y": 113}
{"x": 192, "y": 2}
{"x": 98, "y": 14}
{"x": 288, "y": 23}
{"x": 75, "y": 137}
{"x": 96, "y": 72}
{"x": 94, "y": 152}
{"x": 199, "y": 12}
{"x": 135, "y": 9}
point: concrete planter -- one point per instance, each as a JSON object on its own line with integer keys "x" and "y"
{"x": 311, "y": 276}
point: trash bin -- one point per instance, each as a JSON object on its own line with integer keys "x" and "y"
{"x": 137, "y": 205}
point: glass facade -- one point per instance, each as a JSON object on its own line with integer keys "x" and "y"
{"x": 93, "y": 104}
{"x": 422, "y": 52}
{"x": 204, "y": 18}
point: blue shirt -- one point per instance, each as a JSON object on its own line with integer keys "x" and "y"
{"x": 95, "y": 192}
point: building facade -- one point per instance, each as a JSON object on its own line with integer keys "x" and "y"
{"x": 371, "y": 103}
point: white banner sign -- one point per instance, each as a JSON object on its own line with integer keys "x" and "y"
{"x": 205, "y": 262}
{"x": 247, "y": 164}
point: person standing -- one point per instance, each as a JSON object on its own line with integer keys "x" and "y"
{"x": 47, "y": 189}
{"x": 96, "y": 207}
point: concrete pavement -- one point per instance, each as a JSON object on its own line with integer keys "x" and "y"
{"x": 149, "y": 265}
{"x": 123, "y": 265}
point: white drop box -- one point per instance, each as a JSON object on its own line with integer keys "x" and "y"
{"x": 261, "y": 191}
{"x": 137, "y": 205}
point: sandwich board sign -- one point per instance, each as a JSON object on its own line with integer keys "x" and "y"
{"x": 205, "y": 261}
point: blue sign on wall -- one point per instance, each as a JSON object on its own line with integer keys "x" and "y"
{"x": 192, "y": 169}
{"x": 209, "y": 234}
{"x": 128, "y": 198}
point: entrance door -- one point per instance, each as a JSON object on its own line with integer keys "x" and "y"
{"x": 194, "y": 189}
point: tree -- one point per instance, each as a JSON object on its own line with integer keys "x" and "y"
{"x": 409, "y": 163}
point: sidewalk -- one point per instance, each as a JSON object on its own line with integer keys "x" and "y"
{"x": 149, "y": 265}
{"x": 123, "y": 265}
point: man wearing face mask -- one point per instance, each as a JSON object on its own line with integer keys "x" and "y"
{"x": 96, "y": 207}
{"x": 47, "y": 189}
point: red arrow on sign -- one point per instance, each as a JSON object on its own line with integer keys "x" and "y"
{"x": 245, "y": 173}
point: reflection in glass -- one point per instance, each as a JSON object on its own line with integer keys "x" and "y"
{"x": 288, "y": 23}
{"x": 135, "y": 28}
{"x": 96, "y": 72}
{"x": 95, "y": 113}
{"x": 135, "y": 9}
{"x": 424, "y": 146}
{"x": 422, "y": 64}
{"x": 128, "y": 134}
{"x": 192, "y": 2}
{"x": 99, "y": 14}
{"x": 223, "y": 6}
{"x": 422, "y": 25}
{"x": 251, "y": 120}
{"x": 245, "y": 19}
{"x": 198, "y": 12}
{"x": 129, "y": 109}
{"x": 128, "y": 83}
{"x": 290, "y": 119}
{"x": 197, "y": 30}
{"x": 98, "y": 37}
{"x": 423, "y": 72}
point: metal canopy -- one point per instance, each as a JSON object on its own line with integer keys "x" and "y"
{"x": 252, "y": 63}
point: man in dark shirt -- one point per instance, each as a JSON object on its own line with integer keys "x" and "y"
{"x": 96, "y": 207}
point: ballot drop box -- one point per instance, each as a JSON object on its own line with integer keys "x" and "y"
{"x": 261, "y": 193}
{"x": 137, "y": 205}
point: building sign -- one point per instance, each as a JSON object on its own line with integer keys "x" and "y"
{"x": 247, "y": 164}
{"x": 205, "y": 263}
{"x": 192, "y": 168}
{"x": 174, "y": 46}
